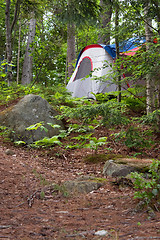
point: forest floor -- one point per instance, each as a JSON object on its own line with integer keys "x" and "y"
{"x": 25, "y": 213}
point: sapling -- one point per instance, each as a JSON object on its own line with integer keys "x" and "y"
{"x": 82, "y": 139}
{"x": 95, "y": 143}
{"x": 36, "y": 126}
{"x": 46, "y": 141}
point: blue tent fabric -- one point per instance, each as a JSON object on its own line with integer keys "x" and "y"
{"x": 111, "y": 49}
{"x": 124, "y": 46}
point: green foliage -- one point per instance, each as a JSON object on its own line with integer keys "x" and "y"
{"x": 134, "y": 103}
{"x": 152, "y": 119}
{"x": 36, "y": 126}
{"x": 133, "y": 138}
{"x": 20, "y": 143}
{"x": 82, "y": 139}
{"x": 60, "y": 189}
{"x": 95, "y": 143}
{"x": 79, "y": 13}
{"x": 148, "y": 190}
{"x": 47, "y": 142}
{"x": 5, "y": 132}
{"x": 80, "y": 128}
{"x": 104, "y": 97}
{"x": 56, "y": 95}
{"x": 110, "y": 112}
{"x": 2, "y": 70}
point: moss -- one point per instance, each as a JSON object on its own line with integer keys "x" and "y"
{"x": 140, "y": 166}
{"x": 6, "y": 111}
{"x": 97, "y": 158}
{"x": 100, "y": 180}
{"x": 113, "y": 156}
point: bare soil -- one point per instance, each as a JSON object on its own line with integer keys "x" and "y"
{"x": 31, "y": 210}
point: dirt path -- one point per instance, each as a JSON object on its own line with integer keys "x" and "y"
{"x": 28, "y": 213}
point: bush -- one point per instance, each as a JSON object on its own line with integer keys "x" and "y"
{"x": 148, "y": 188}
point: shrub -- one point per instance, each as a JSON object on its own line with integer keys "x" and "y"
{"x": 148, "y": 188}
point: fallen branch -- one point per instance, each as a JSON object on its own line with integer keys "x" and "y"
{"x": 30, "y": 199}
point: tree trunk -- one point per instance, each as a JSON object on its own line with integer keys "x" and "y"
{"x": 156, "y": 2}
{"x": 27, "y": 75}
{"x": 9, "y": 29}
{"x": 71, "y": 54}
{"x": 19, "y": 49}
{"x": 149, "y": 78}
{"x": 117, "y": 48}
{"x": 8, "y": 42}
{"x": 105, "y": 19}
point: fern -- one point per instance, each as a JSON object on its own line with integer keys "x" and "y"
{"x": 46, "y": 142}
{"x": 110, "y": 112}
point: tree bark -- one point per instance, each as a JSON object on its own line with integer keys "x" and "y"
{"x": 117, "y": 48}
{"x": 105, "y": 19}
{"x": 27, "y": 75}
{"x": 8, "y": 42}
{"x": 149, "y": 78}
{"x": 19, "y": 49}
{"x": 71, "y": 54}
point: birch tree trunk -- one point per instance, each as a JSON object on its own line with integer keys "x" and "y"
{"x": 117, "y": 48}
{"x": 149, "y": 78}
{"x": 71, "y": 54}
{"x": 27, "y": 75}
{"x": 8, "y": 42}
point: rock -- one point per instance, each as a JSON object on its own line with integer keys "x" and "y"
{"x": 9, "y": 152}
{"x": 101, "y": 233}
{"x": 117, "y": 170}
{"x": 83, "y": 185}
{"x": 121, "y": 167}
{"x": 30, "y": 110}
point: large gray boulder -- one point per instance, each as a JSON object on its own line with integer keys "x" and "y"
{"x": 30, "y": 110}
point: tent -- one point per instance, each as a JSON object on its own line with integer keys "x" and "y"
{"x": 93, "y": 63}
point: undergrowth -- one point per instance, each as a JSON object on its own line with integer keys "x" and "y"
{"x": 148, "y": 189}
{"x": 137, "y": 134}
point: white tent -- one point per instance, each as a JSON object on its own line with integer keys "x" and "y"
{"x": 96, "y": 60}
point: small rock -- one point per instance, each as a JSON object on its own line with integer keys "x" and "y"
{"x": 9, "y": 152}
{"x": 101, "y": 233}
{"x": 83, "y": 184}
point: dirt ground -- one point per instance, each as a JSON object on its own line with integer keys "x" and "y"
{"x": 30, "y": 209}
{"x": 27, "y": 214}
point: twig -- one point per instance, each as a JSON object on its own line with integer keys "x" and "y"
{"x": 5, "y": 226}
{"x": 64, "y": 157}
{"x": 31, "y": 198}
{"x": 20, "y": 204}
{"x": 156, "y": 208}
